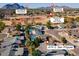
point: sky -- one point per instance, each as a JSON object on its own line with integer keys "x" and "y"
{"x": 37, "y": 5}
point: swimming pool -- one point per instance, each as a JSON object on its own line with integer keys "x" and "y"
{"x": 33, "y": 36}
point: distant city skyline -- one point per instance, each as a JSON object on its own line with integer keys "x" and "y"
{"x": 37, "y": 5}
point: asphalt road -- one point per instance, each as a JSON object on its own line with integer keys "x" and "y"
{"x": 6, "y": 45}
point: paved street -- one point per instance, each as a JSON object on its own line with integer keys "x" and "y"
{"x": 6, "y": 45}
{"x": 54, "y": 34}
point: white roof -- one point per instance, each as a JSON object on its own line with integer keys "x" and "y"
{"x": 56, "y": 20}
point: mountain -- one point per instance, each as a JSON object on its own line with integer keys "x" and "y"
{"x": 18, "y": 6}
{"x": 12, "y": 6}
{"x": 66, "y": 7}
{"x": 51, "y": 7}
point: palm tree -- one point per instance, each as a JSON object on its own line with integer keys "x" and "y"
{"x": 30, "y": 45}
{"x": 36, "y": 42}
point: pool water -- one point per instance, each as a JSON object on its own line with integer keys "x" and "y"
{"x": 33, "y": 36}
{"x": 17, "y": 37}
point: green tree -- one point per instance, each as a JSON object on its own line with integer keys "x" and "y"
{"x": 30, "y": 45}
{"x": 64, "y": 40}
{"x": 36, "y": 53}
{"x": 48, "y": 24}
{"x": 18, "y": 27}
{"x": 65, "y": 20}
{"x": 77, "y": 19}
{"x": 36, "y": 42}
{"x": 2, "y": 26}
